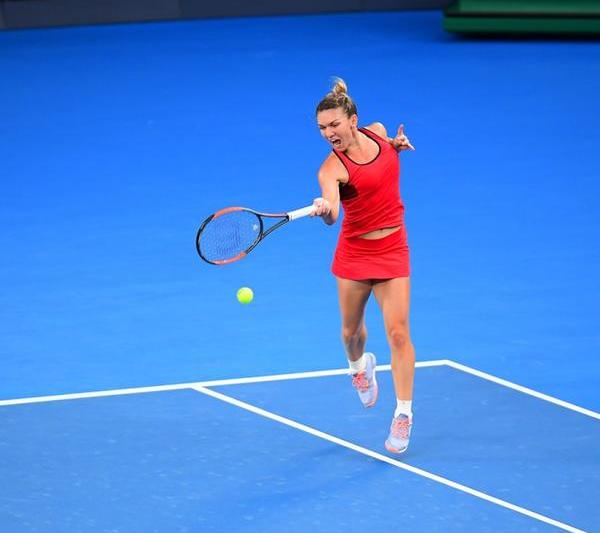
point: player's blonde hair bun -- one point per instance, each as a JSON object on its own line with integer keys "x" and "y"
{"x": 339, "y": 86}
{"x": 338, "y": 97}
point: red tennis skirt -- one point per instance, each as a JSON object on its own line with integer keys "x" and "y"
{"x": 361, "y": 259}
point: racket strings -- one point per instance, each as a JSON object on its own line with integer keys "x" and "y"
{"x": 229, "y": 235}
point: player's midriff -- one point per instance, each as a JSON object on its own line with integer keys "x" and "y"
{"x": 379, "y": 233}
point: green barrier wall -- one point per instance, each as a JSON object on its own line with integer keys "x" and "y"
{"x": 524, "y": 16}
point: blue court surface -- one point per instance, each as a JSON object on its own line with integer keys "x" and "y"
{"x": 293, "y": 452}
{"x": 123, "y": 403}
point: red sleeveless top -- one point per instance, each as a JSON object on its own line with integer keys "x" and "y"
{"x": 371, "y": 198}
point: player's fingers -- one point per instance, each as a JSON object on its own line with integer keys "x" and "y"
{"x": 405, "y": 142}
{"x": 320, "y": 206}
{"x": 317, "y": 205}
{"x": 401, "y": 130}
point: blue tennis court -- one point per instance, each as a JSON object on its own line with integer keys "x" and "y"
{"x": 124, "y": 403}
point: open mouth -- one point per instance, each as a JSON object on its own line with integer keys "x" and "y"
{"x": 336, "y": 143}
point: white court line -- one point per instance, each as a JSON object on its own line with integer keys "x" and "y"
{"x": 295, "y": 375}
{"x": 386, "y": 459}
{"x": 95, "y": 394}
{"x": 212, "y": 383}
{"x": 314, "y": 374}
{"x": 524, "y": 390}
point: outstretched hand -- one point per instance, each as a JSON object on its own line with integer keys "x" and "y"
{"x": 401, "y": 141}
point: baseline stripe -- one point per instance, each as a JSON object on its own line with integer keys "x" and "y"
{"x": 314, "y": 374}
{"x": 385, "y": 459}
{"x": 95, "y": 394}
{"x": 212, "y": 383}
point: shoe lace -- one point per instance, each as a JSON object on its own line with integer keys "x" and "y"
{"x": 360, "y": 381}
{"x": 400, "y": 427}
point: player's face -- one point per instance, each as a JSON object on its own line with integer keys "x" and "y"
{"x": 336, "y": 127}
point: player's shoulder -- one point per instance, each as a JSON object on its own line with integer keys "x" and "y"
{"x": 333, "y": 169}
{"x": 378, "y": 129}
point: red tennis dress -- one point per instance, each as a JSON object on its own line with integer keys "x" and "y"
{"x": 371, "y": 200}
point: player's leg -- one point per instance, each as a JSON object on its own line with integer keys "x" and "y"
{"x": 353, "y": 297}
{"x": 394, "y": 299}
{"x": 393, "y": 296}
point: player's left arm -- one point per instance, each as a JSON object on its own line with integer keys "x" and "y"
{"x": 399, "y": 142}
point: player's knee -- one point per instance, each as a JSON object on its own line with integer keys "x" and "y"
{"x": 351, "y": 334}
{"x": 399, "y": 338}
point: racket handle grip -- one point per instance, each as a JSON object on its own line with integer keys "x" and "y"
{"x": 299, "y": 213}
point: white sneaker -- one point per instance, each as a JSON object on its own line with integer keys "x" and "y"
{"x": 399, "y": 437}
{"x": 366, "y": 383}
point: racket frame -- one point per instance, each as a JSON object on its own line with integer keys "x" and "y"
{"x": 285, "y": 218}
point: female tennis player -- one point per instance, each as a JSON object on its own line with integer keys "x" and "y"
{"x": 372, "y": 255}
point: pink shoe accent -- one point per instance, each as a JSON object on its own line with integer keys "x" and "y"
{"x": 401, "y": 428}
{"x": 360, "y": 381}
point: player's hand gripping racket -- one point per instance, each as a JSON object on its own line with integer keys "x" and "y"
{"x": 232, "y": 233}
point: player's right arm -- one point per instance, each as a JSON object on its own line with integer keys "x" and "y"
{"x": 330, "y": 175}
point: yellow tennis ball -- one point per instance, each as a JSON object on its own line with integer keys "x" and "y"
{"x": 245, "y": 295}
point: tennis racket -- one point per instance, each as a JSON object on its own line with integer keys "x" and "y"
{"x": 232, "y": 233}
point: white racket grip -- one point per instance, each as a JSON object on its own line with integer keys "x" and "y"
{"x": 303, "y": 212}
